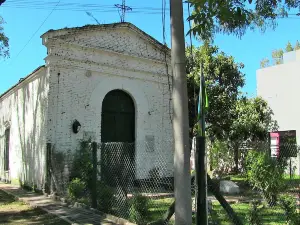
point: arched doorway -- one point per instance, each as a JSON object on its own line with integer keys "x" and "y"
{"x": 117, "y": 137}
{"x": 118, "y": 118}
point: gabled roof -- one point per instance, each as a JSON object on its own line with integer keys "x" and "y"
{"x": 64, "y": 31}
{"x": 22, "y": 80}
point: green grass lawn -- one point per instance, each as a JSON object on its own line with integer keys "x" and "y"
{"x": 238, "y": 177}
{"x": 292, "y": 183}
{"x": 158, "y": 207}
{"x": 16, "y": 212}
{"x": 294, "y": 177}
{"x": 270, "y": 216}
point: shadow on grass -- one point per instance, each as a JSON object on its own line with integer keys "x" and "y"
{"x": 16, "y": 212}
{"x": 5, "y": 198}
{"x": 30, "y": 216}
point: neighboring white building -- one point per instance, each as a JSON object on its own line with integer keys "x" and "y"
{"x": 279, "y": 86}
{"x": 84, "y": 66}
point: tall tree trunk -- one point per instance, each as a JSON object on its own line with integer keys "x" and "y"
{"x": 182, "y": 175}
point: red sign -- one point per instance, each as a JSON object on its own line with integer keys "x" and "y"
{"x": 283, "y": 144}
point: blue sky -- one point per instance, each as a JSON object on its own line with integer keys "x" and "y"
{"x": 24, "y": 17}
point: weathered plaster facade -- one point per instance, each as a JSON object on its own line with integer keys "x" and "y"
{"x": 82, "y": 66}
{"x": 23, "y": 109}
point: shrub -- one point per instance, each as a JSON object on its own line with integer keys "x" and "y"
{"x": 266, "y": 175}
{"x": 76, "y": 188}
{"x": 139, "y": 209}
{"x": 288, "y": 204}
{"x": 84, "y": 200}
{"x": 82, "y": 164}
{"x": 254, "y": 217}
{"x": 82, "y": 170}
{"x": 105, "y": 197}
{"x": 221, "y": 158}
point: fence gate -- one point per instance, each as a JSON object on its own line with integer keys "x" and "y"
{"x": 117, "y": 137}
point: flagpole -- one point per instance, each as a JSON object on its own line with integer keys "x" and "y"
{"x": 201, "y": 173}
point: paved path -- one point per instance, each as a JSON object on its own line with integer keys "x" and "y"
{"x": 71, "y": 215}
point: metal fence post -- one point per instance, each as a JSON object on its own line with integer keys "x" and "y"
{"x": 298, "y": 200}
{"x": 201, "y": 193}
{"x": 47, "y": 187}
{"x": 94, "y": 175}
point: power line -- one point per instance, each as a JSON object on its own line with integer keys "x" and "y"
{"x": 163, "y": 14}
{"x": 77, "y": 7}
{"x": 74, "y": 6}
{"x": 68, "y": 6}
{"x": 37, "y": 3}
{"x": 36, "y": 31}
{"x": 142, "y": 11}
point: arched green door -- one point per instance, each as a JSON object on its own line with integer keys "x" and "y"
{"x": 118, "y": 118}
{"x": 117, "y": 137}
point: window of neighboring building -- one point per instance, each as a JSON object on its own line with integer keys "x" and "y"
{"x": 6, "y": 149}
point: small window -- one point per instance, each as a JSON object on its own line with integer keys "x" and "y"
{"x": 6, "y": 149}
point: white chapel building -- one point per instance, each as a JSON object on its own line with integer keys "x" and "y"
{"x": 104, "y": 83}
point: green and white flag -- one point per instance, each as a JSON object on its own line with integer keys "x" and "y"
{"x": 202, "y": 105}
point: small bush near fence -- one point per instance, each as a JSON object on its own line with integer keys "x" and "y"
{"x": 288, "y": 204}
{"x": 117, "y": 193}
{"x": 254, "y": 216}
{"x": 76, "y": 188}
{"x": 139, "y": 210}
{"x": 105, "y": 196}
{"x": 266, "y": 175}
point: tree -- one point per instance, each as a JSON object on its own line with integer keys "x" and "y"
{"x": 277, "y": 56}
{"x": 289, "y": 47}
{"x": 231, "y": 117}
{"x": 223, "y": 80}
{"x": 4, "y": 46}
{"x": 264, "y": 63}
{"x": 253, "y": 120}
{"x": 297, "y": 45}
{"x": 236, "y": 16}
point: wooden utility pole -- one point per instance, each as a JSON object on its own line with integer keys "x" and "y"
{"x": 182, "y": 176}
